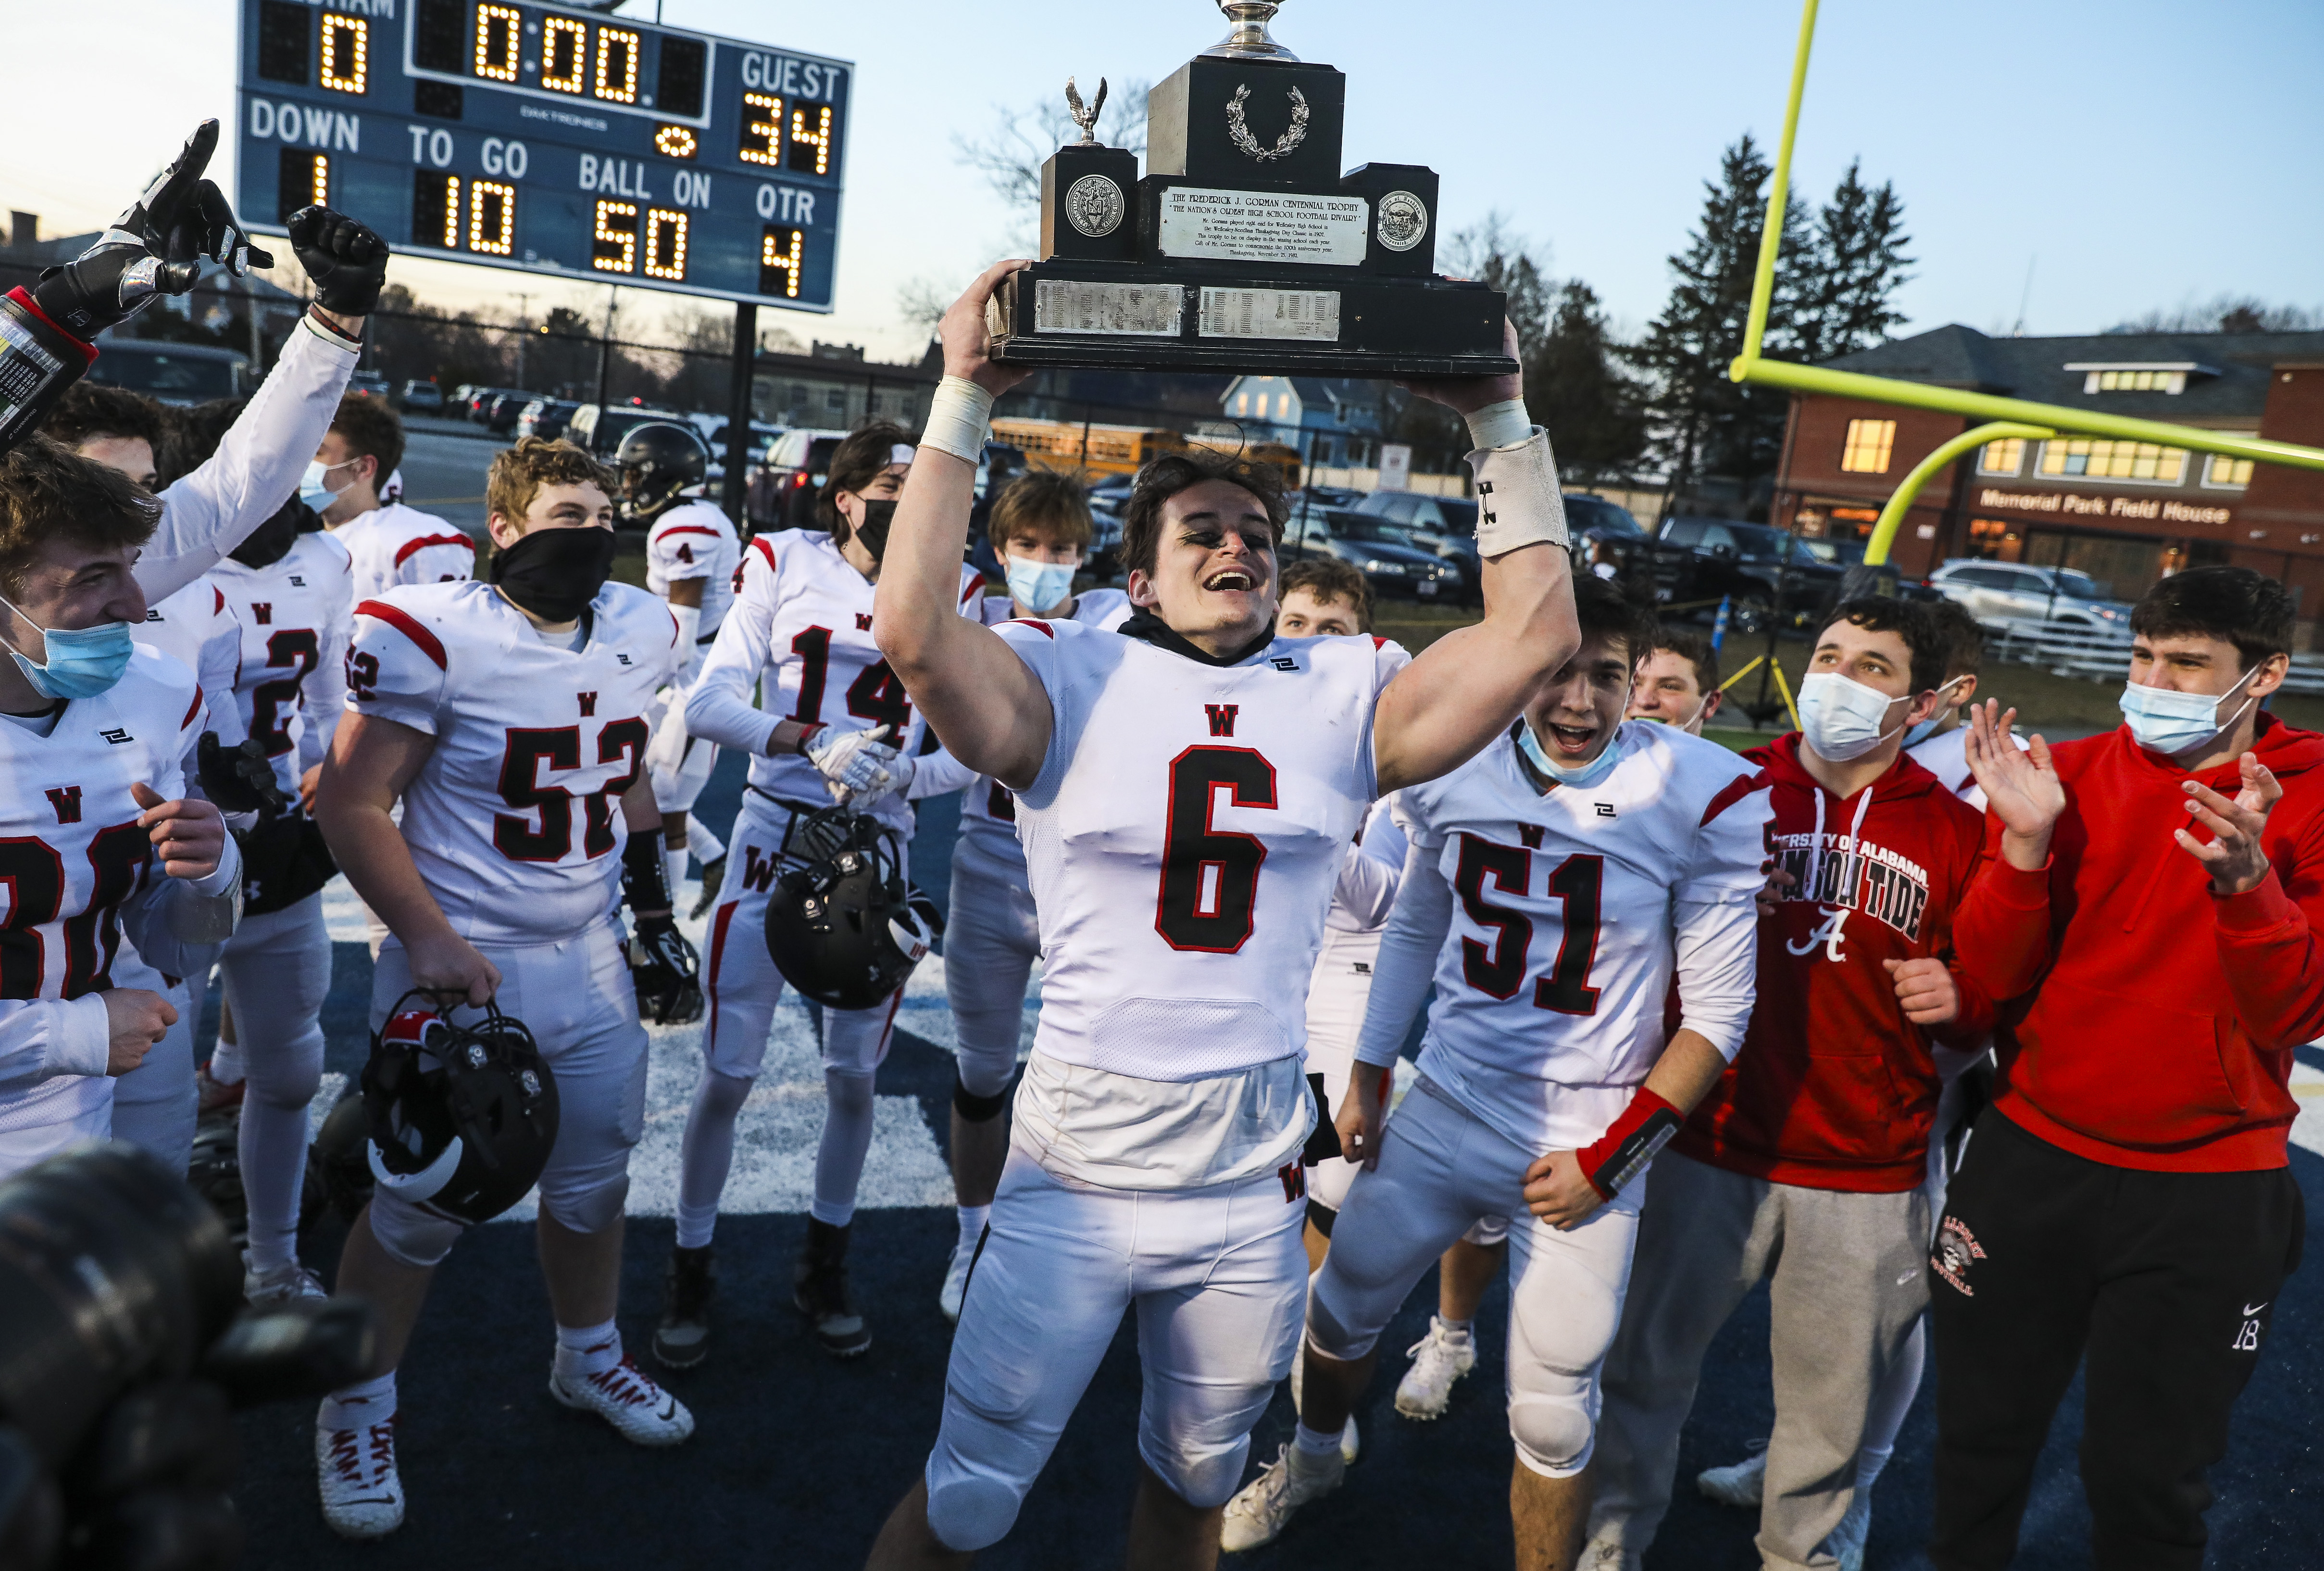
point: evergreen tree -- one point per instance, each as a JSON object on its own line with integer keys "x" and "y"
{"x": 1703, "y": 422}
{"x": 1578, "y": 392}
{"x": 1852, "y": 272}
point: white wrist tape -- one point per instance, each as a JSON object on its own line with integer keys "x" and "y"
{"x": 1500, "y": 425}
{"x": 1517, "y": 501}
{"x": 957, "y": 417}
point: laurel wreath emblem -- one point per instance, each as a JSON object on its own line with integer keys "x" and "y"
{"x": 1239, "y": 131}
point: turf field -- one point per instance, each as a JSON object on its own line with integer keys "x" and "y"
{"x": 798, "y": 1458}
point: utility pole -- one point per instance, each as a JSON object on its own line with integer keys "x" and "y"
{"x": 523, "y": 330}
{"x": 738, "y": 408}
{"x": 605, "y": 347}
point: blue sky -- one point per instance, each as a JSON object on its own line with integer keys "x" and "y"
{"x": 2139, "y": 153}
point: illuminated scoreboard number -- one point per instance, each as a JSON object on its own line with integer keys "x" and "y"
{"x": 495, "y": 43}
{"x": 451, "y": 214}
{"x": 805, "y": 145}
{"x": 633, "y": 239}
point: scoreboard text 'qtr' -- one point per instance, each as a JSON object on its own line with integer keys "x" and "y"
{"x": 549, "y": 140}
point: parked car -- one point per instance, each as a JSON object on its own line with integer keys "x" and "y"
{"x": 1390, "y": 560}
{"x": 1998, "y": 592}
{"x": 1595, "y": 518}
{"x": 600, "y": 431}
{"x": 369, "y": 384}
{"x": 712, "y": 430}
{"x": 1762, "y": 571}
{"x": 788, "y": 481}
{"x": 1444, "y": 526}
{"x": 421, "y": 396}
{"x": 545, "y": 418}
{"x": 179, "y": 374}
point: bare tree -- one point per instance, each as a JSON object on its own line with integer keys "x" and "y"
{"x": 2225, "y": 313}
{"x": 1011, "y": 151}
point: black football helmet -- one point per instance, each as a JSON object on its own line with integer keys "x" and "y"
{"x": 843, "y": 925}
{"x": 215, "y": 1170}
{"x": 462, "y": 1117}
{"x": 658, "y": 461}
{"x": 338, "y": 1162}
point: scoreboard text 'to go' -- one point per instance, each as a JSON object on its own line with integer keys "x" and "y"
{"x": 550, "y": 140}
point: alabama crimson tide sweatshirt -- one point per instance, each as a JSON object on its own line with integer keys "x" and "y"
{"x": 1834, "y": 1088}
{"x": 2146, "y": 1021}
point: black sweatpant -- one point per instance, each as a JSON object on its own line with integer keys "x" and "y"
{"x": 2165, "y": 1281}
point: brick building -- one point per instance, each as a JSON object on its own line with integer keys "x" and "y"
{"x": 2125, "y": 512}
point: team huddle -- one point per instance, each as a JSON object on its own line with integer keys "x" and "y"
{"x": 1689, "y": 1018}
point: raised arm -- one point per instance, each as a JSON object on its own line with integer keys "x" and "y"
{"x": 986, "y": 706}
{"x": 1469, "y": 686}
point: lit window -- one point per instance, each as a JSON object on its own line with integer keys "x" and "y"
{"x": 2006, "y": 456}
{"x": 1866, "y": 451}
{"x": 564, "y": 47}
{"x": 500, "y": 41}
{"x": 346, "y": 48}
{"x": 2228, "y": 474}
{"x": 1283, "y": 406}
{"x": 2128, "y": 379}
{"x": 1242, "y": 403}
{"x": 617, "y": 65}
{"x": 2097, "y": 459}
{"x": 492, "y": 217}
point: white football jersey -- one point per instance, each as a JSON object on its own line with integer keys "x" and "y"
{"x": 988, "y": 817}
{"x": 296, "y": 616}
{"x": 196, "y": 628}
{"x": 1571, "y": 911}
{"x": 515, "y": 821}
{"x": 1183, "y": 838}
{"x": 696, "y": 540}
{"x": 803, "y": 622}
{"x": 396, "y": 544}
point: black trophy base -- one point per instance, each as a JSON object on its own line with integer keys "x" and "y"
{"x": 1248, "y": 321}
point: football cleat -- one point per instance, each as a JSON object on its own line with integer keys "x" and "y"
{"x": 1438, "y": 1359}
{"x": 282, "y": 1284}
{"x": 956, "y": 1282}
{"x": 1600, "y": 1555}
{"x": 625, "y": 1397}
{"x": 819, "y": 1288}
{"x": 216, "y": 1096}
{"x": 1738, "y": 1485}
{"x": 362, "y": 1495}
{"x": 714, "y": 873}
{"x": 682, "y": 1340}
{"x": 1259, "y": 1514}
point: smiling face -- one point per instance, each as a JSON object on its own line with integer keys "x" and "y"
{"x": 1213, "y": 573}
{"x": 556, "y": 506}
{"x": 1575, "y": 713}
{"x": 1668, "y": 690}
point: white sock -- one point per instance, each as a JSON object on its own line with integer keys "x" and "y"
{"x": 356, "y": 1406}
{"x": 1315, "y": 1443}
{"x": 1456, "y": 1330}
{"x": 226, "y": 1063}
{"x": 674, "y": 867}
{"x": 587, "y": 1350}
{"x": 973, "y": 1219}
{"x": 706, "y": 846}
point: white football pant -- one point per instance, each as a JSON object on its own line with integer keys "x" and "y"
{"x": 156, "y": 1104}
{"x": 992, "y": 936}
{"x": 278, "y": 973}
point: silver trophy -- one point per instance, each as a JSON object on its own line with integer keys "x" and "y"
{"x": 1249, "y": 39}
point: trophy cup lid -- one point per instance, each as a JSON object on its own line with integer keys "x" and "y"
{"x": 1249, "y": 39}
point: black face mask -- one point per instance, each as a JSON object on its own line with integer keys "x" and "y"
{"x": 270, "y": 542}
{"x": 873, "y": 531}
{"x": 554, "y": 573}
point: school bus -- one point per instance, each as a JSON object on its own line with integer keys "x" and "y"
{"x": 1120, "y": 450}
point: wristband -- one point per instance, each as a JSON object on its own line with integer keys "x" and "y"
{"x": 645, "y": 878}
{"x": 1630, "y": 1143}
{"x": 1517, "y": 501}
{"x": 957, "y": 417}
{"x": 1500, "y": 425}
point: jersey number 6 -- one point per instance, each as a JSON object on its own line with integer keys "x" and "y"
{"x": 1210, "y": 877}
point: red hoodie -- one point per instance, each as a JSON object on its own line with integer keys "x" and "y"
{"x": 1834, "y": 1088}
{"x": 2150, "y": 1023}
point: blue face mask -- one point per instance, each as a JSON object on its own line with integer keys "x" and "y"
{"x": 1041, "y": 586}
{"x": 312, "y": 488}
{"x": 2161, "y": 721}
{"x": 1920, "y": 731}
{"x": 1580, "y": 777}
{"x": 83, "y": 662}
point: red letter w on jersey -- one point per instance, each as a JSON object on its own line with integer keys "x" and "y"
{"x": 757, "y": 875}
{"x": 66, "y": 799}
{"x": 1221, "y": 717}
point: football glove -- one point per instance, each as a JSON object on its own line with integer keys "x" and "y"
{"x": 664, "y": 971}
{"x": 348, "y": 260}
{"x": 860, "y": 768}
{"x": 239, "y": 779}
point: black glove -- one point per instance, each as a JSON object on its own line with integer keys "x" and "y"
{"x": 663, "y": 968}
{"x": 346, "y": 260}
{"x": 156, "y": 246}
{"x": 238, "y": 779}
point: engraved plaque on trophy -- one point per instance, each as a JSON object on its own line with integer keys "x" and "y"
{"x": 1243, "y": 248}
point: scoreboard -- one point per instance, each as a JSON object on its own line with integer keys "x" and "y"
{"x": 550, "y": 139}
